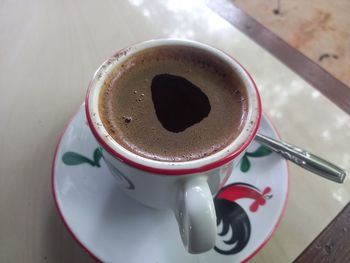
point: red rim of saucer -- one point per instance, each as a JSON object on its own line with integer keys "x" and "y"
{"x": 94, "y": 257}
{"x": 269, "y": 236}
{"x": 175, "y": 172}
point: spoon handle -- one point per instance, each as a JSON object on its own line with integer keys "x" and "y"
{"x": 304, "y": 159}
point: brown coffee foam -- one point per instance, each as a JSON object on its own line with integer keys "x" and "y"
{"x": 128, "y": 113}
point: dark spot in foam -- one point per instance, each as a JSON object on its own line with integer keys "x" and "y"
{"x": 127, "y": 119}
{"x": 179, "y": 103}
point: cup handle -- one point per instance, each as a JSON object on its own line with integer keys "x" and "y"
{"x": 195, "y": 214}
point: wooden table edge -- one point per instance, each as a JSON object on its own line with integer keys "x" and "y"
{"x": 332, "y": 244}
{"x": 319, "y": 78}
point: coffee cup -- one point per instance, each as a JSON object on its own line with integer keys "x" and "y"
{"x": 184, "y": 158}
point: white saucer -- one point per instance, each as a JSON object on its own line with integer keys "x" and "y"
{"x": 113, "y": 228}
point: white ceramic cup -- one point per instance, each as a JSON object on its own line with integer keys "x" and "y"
{"x": 187, "y": 188}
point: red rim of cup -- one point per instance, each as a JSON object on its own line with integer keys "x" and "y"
{"x": 180, "y": 171}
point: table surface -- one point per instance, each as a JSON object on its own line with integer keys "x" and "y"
{"x": 50, "y": 49}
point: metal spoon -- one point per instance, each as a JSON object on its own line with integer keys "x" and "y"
{"x": 304, "y": 159}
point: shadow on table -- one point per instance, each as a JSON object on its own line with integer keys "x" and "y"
{"x": 61, "y": 247}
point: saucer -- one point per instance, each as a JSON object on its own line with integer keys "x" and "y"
{"x": 111, "y": 227}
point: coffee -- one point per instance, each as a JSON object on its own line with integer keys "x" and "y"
{"x": 173, "y": 104}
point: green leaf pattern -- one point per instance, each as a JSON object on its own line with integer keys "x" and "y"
{"x": 245, "y": 164}
{"x": 97, "y": 156}
{"x": 260, "y": 152}
{"x": 73, "y": 158}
